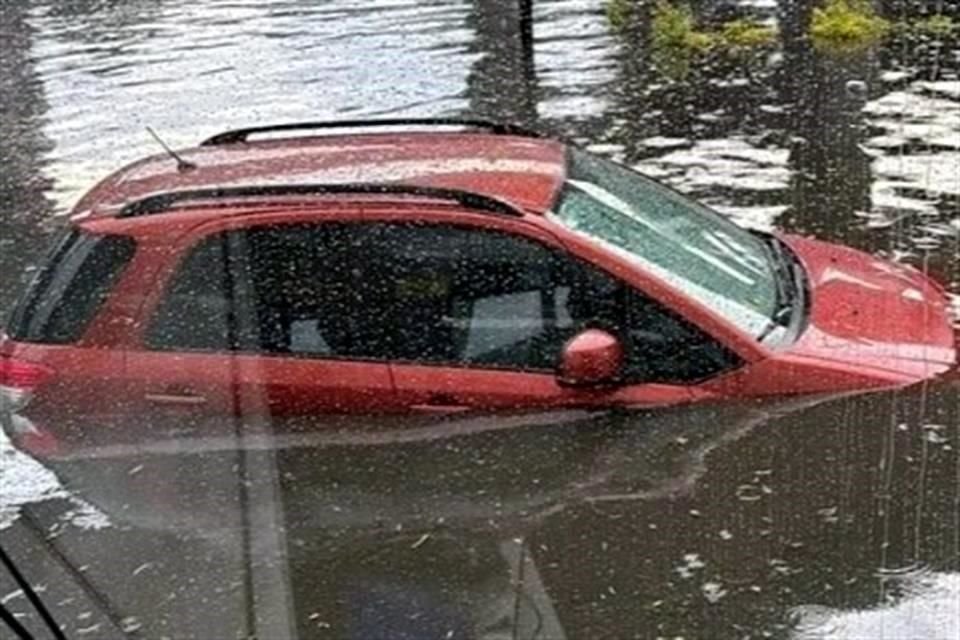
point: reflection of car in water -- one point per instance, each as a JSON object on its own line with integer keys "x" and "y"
{"x": 431, "y": 271}
{"x": 450, "y": 586}
{"x": 724, "y": 517}
{"x": 420, "y": 531}
{"x": 489, "y": 472}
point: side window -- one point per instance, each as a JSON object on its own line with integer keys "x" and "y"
{"x": 662, "y": 347}
{"x": 477, "y": 298}
{"x": 487, "y": 331}
{"x": 409, "y": 293}
{"x": 489, "y": 299}
{"x": 70, "y": 289}
{"x": 198, "y": 310}
{"x": 319, "y": 290}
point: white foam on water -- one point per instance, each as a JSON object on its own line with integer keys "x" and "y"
{"x": 22, "y": 480}
{"x": 931, "y": 609}
{"x": 25, "y": 481}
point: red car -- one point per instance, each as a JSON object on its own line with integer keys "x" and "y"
{"x": 431, "y": 266}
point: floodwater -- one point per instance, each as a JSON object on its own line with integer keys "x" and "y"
{"x": 839, "y": 520}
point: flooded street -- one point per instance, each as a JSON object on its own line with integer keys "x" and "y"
{"x": 834, "y": 521}
{"x": 840, "y": 519}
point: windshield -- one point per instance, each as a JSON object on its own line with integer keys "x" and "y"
{"x": 707, "y": 257}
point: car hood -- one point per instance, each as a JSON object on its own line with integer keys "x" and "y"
{"x": 873, "y": 312}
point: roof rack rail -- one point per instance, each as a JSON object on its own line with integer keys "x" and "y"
{"x": 497, "y": 128}
{"x": 160, "y": 202}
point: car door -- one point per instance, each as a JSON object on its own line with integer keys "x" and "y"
{"x": 234, "y": 331}
{"x": 482, "y": 315}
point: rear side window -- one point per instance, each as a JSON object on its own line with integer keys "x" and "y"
{"x": 68, "y": 291}
{"x": 199, "y": 310}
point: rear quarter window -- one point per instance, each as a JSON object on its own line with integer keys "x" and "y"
{"x": 72, "y": 285}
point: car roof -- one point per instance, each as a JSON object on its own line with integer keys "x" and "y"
{"x": 524, "y": 171}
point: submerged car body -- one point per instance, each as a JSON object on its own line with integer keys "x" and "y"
{"x": 403, "y": 267}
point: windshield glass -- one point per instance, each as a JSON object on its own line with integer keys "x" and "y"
{"x": 707, "y": 257}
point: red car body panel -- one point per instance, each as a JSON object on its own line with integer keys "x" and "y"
{"x": 434, "y": 389}
{"x": 870, "y": 324}
{"x": 867, "y": 310}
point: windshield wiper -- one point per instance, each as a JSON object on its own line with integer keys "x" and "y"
{"x": 785, "y": 283}
{"x": 34, "y": 599}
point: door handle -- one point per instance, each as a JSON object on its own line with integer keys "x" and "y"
{"x": 440, "y": 403}
{"x": 175, "y": 399}
{"x": 440, "y": 408}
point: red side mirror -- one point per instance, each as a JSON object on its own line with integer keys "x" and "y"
{"x": 592, "y": 357}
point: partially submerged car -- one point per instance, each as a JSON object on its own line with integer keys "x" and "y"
{"x": 430, "y": 266}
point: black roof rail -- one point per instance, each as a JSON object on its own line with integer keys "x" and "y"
{"x": 160, "y": 202}
{"x": 497, "y": 128}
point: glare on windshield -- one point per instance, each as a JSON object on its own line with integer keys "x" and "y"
{"x": 700, "y": 253}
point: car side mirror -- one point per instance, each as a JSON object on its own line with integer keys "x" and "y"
{"x": 591, "y": 358}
